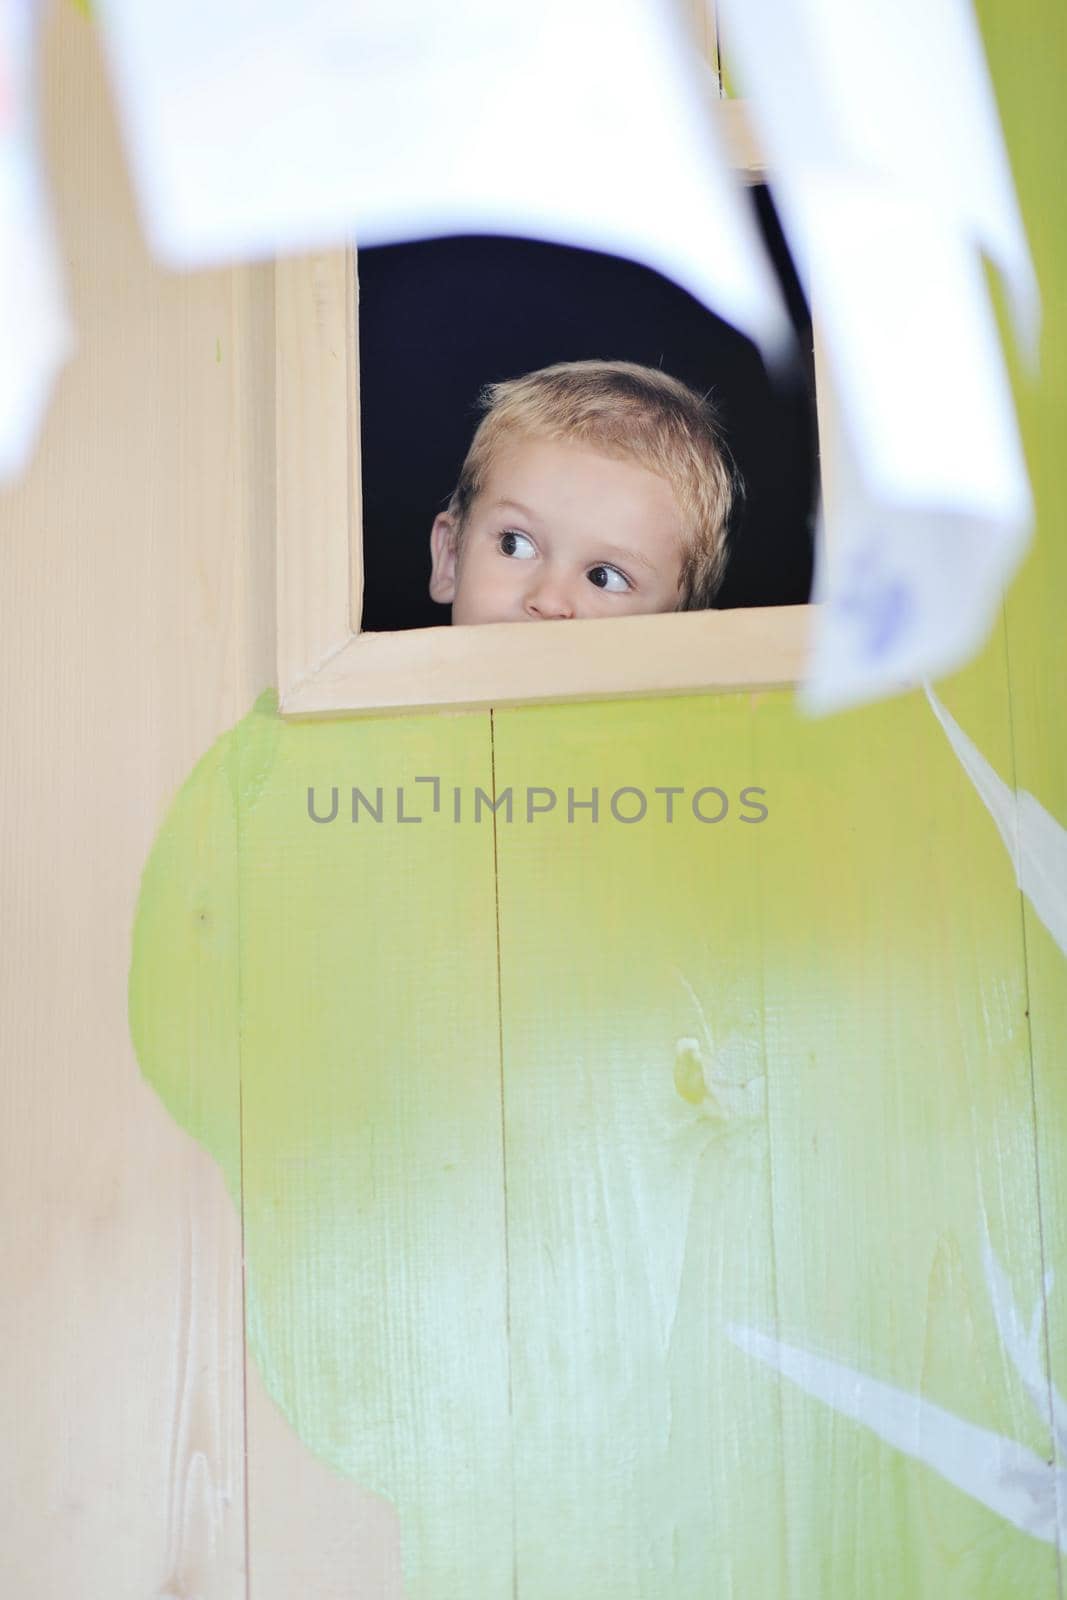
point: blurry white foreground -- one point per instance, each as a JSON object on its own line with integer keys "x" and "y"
{"x": 287, "y": 125}
{"x": 879, "y": 126}
{"x": 35, "y": 332}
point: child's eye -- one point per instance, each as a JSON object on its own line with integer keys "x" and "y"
{"x": 609, "y": 578}
{"x": 514, "y": 543}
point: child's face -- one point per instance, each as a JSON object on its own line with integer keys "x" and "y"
{"x": 559, "y": 531}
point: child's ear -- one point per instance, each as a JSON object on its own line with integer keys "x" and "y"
{"x": 443, "y": 559}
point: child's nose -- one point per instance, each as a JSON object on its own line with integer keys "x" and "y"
{"x": 550, "y": 599}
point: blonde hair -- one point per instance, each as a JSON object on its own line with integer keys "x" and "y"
{"x": 629, "y": 412}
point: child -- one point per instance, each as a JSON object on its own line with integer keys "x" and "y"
{"x": 591, "y": 489}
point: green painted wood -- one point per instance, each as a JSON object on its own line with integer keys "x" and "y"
{"x": 350, "y": 969}
{"x": 763, "y": 1073}
{"x": 858, "y": 959}
{"x": 646, "y": 1459}
{"x": 900, "y": 1129}
{"x": 372, "y": 1132}
{"x": 184, "y": 991}
{"x": 1028, "y": 56}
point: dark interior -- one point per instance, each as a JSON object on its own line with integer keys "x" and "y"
{"x": 441, "y": 317}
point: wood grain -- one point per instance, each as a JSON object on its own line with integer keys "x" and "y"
{"x": 372, "y": 1165}
{"x": 638, "y": 1181}
{"x": 900, "y": 1127}
{"x": 320, "y": 588}
{"x": 508, "y": 663}
{"x": 133, "y": 566}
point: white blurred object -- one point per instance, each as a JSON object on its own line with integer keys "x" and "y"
{"x": 35, "y": 332}
{"x": 882, "y": 140}
{"x": 287, "y": 125}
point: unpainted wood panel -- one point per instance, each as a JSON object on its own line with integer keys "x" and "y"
{"x": 136, "y": 572}
{"x": 320, "y": 595}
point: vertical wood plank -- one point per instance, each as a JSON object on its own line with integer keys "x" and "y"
{"x": 901, "y": 1130}
{"x": 320, "y": 592}
{"x": 134, "y": 557}
{"x": 636, "y": 1155}
{"x": 1028, "y": 66}
{"x": 374, "y": 1227}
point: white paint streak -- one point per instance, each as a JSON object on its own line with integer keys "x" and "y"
{"x": 1011, "y": 1480}
{"x": 1036, "y": 842}
{"x": 1008, "y": 1478}
{"x": 1024, "y": 1344}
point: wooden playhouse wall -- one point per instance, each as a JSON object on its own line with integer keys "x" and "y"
{"x": 521, "y": 1126}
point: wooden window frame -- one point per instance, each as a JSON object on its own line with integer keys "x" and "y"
{"x": 328, "y": 667}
